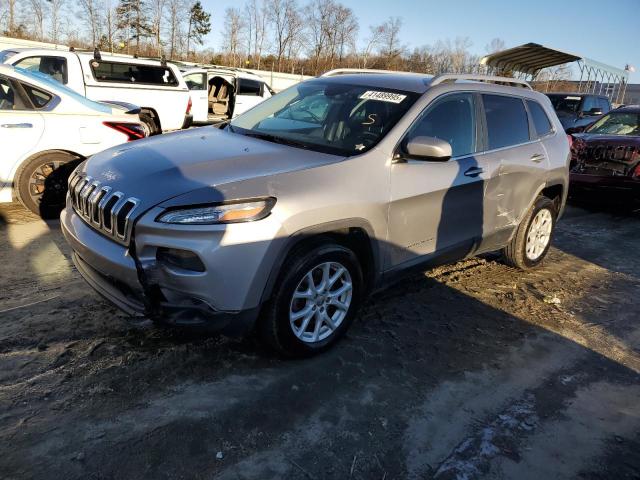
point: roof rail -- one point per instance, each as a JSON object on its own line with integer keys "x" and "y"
{"x": 452, "y": 77}
{"x": 347, "y": 71}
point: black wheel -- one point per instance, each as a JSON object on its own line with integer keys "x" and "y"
{"x": 314, "y": 301}
{"x": 532, "y": 240}
{"x": 42, "y": 183}
{"x": 150, "y": 124}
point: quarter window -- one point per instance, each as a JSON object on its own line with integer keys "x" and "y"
{"x": 451, "y": 119}
{"x": 132, "y": 73}
{"x": 540, "y": 120}
{"x": 507, "y": 122}
{"x": 7, "y": 95}
{"x": 39, "y": 98}
{"x": 249, "y": 87}
{"x": 55, "y": 67}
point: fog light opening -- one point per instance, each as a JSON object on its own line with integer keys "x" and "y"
{"x": 183, "y": 259}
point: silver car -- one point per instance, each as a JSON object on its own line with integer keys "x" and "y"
{"x": 286, "y": 217}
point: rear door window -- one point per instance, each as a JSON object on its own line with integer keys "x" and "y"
{"x": 132, "y": 73}
{"x": 539, "y": 117}
{"x": 452, "y": 119}
{"x": 249, "y": 87}
{"x": 507, "y": 122}
{"x": 55, "y": 67}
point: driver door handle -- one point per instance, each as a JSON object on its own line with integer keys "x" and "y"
{"x": 473, "y": 171}
{"x": 16, "y": 125}
{"x": 537, "y": 157}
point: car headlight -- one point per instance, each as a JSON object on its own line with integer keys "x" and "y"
{"x": 239, "y": 211}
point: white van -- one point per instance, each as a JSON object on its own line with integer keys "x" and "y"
{"x": 218, "y": 94}
{"x": 155, "y": 86}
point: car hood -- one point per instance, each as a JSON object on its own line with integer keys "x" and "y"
{"x": 159, "y": 168}
{"x": 613, "y": 140}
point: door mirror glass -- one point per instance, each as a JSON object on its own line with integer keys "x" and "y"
{"x": 428, "y": 148}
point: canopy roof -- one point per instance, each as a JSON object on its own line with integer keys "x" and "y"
{"x": 530, "y": 58}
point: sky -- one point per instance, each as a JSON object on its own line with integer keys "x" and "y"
{"x": 604, "y": 30}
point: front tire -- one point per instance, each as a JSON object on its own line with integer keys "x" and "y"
{"x": 532, "y": 240}
{"x": 314, "y": 301}
{"x": 42, "y": 182}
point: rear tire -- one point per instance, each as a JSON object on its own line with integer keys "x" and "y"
{"x": 328, "y": 306}
{"x": 532, "y": 239}
{"x": 150, "y": 123}
{"x": 42, "y": 182}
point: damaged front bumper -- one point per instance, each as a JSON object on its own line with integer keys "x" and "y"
{"x": 144, "y": 288}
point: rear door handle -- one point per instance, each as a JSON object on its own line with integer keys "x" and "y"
{"x": 537, "y": 158}
{"x": 16, "y": 125}
{"x": 473, "y": 171}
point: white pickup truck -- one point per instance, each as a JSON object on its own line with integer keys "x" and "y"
{"x": 158, "y": 88}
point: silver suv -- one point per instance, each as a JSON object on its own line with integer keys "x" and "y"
{"x": 286, "y": 217}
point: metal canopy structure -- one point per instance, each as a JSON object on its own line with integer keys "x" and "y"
{"x": 526, "y": 61}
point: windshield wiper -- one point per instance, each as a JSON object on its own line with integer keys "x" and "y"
{"x": 275, "y": 139}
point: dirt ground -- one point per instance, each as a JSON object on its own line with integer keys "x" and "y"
{"x": 472, "y": 370}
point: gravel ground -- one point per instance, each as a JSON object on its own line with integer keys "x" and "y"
{"x": 471, "y": 370}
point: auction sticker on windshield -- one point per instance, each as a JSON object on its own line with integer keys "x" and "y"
{"x": 383, "y": 96}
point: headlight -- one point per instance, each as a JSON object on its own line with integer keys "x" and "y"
{"x": 241, "y": 211}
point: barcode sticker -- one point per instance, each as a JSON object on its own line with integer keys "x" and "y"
{"x": 383, "y": 96}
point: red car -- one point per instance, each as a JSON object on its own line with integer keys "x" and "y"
{"x": 606, "y": 156}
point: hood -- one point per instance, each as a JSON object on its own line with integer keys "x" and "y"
{"x": 161, "y": 167}
{"x": 613, "y": 140}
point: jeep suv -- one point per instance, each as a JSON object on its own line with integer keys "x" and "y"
{"x": 286, "y": 217}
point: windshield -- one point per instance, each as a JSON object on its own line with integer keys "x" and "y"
{"x": 327, "y": 116}
{"x": 617, "y": 124}
{"x": 565, "y": 103}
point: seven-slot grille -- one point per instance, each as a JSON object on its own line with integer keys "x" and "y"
{"x": 106, "y": 210}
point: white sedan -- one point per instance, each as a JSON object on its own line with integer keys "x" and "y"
{"x": 46, "y": 129}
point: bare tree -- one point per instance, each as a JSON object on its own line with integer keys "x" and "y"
{"x": 110, "y": 23}
{"x": 255, "y": 29}
{"x": 495, "y": 45}
{"x": 286, "y": 24}
{"x": 157, "y": 13}
{"x": 91, "y": 15}
{"x": 38, "y": 10}
{"x": 176, "y": 12}
{"x": 372, "y": 42}
{"x": 55, "y": 9}
{"x": 11, "y": 16}
{"x": 346, "y": 31}
{"x": 318, "y": 20}
{"x": 392, "y": 48}
{"x": 234, "y": 28}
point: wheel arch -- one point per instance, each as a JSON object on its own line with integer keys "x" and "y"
{"x": 355, "y": 233}
{"x": 153, "y": 113}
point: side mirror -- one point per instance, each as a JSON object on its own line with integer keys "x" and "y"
{"x": 428, "y": 148}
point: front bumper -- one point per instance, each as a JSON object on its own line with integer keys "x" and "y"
{"x": 142, "y": 287}
{"x": 610, "y": 184}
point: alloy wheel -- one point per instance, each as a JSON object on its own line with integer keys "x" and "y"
{"x": 320, "y": 302}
